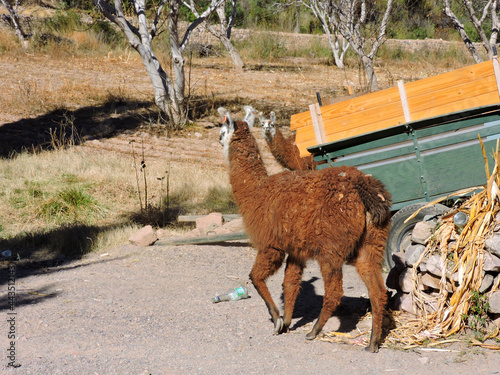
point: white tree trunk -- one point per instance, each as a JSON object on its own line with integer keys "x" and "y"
{"x": 349, "y": 17}
{"x": 14, "y": 19}
{"x": 330, "y": 30}
{"x": 490, "y": 8}
{"x": 224, "y": 32}
{"x": 169, "y": 95}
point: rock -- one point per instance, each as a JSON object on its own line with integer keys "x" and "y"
{"x": 493, "y": 244}
{"x": 421, "y": 232}
{"x": 392, "y": 280}
{"x": 407, "y": 304}
{"x": 144, "y": 237}
{"x": 397, "y": 300}
{"x": 494, "y": 302}
{"x": 431, "y": 281}
{"x": 486, "y": 283}
{"x": 413, "y": 253}
{"x": 406, "y": 281}
{"x": 209, "y": 222}
{"x": 162, "y": 233}
{"x": 434, "y": 265}
{"x": 232, "y": 226}
{"x": 491, "y": 263}
{"x": 399, "y": 261}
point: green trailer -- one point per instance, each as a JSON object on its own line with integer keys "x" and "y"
{"x": 420, "y": 161}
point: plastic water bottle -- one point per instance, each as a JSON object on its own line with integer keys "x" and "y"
{"x": 234, "y": 294}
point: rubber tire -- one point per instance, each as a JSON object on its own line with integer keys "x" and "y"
{"x": 400, "y": 232}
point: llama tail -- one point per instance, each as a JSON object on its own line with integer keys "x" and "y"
{"x": 376, "y": 199}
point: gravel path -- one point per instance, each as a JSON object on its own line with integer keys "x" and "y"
{"x": 148, "y": 311}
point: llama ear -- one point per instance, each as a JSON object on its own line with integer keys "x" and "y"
{"x": 273, "y": 117}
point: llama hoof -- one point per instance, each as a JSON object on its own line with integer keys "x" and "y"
{"x": 311, "y": 335}
{"x": 278, "y": 326}
{"x": 370, "y": 349}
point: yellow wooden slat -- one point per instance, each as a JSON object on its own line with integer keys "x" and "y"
{"x": 469, "y": 87}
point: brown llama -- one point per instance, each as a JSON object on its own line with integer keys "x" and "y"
{"x": 333, "y": 215}
{"x": 284, "y": 150}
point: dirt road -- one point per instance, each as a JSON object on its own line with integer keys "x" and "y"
{"x": 148, "y": 311}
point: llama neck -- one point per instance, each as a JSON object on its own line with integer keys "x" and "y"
{"x": 286, "y": 153}
{"x": 247, "y": 170}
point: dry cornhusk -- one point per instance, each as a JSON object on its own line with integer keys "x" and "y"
{"x": 466, "y": 257}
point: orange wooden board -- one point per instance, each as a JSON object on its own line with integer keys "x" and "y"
{"x": 469, "y": 87}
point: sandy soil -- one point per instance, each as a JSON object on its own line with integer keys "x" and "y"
{"x": 138, "y": 310}
{"x": 148, "y": 311}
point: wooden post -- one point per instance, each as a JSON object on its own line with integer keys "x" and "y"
{"x": 317, "y": 119}
{"x": 404, "y": 100}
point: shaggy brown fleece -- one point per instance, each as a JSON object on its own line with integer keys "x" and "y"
{"x": 333, "y": 215}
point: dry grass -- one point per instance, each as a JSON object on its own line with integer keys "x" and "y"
{"x": 85, "y": 71}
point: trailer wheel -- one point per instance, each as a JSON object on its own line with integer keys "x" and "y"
{"x": 400, "y": 233}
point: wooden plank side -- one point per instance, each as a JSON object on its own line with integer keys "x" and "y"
{"x": 300, "y": 120}
{"x": 375, "y": 100}
{"x": 390, "y": 114}
{"x": 450, "y": 95}
{"x": 449, "y": 79}
{"x": 480, "y": 100}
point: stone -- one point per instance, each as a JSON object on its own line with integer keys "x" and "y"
{"x": 492, "y": 244}
{"x": 398, "y": 260}
{"x": 431, "y": 281}
{"x": 491, "y": 263}
{"x": 232, "y": 226}
{"x": 413, "y": 253}
{"x": 392, "y": 279}
{"x": 209, "y": 222}
{"x": 494, "y": 302}
{"x": 486, "y": 283}
{"x": 406, "y": 281}
{"x": 421, "y": 232}
{"x": 162, "y": 233}
{"x": 397, "y": 300}
{"x": 145, "y": 236}
{"x": 434, "y": 265}
{"x": 407, "y": 304}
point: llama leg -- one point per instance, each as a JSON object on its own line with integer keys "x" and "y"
{"x": 267, "y": 262}
{"x": 332, "y": 277}
{"x": 369, "y": 267}
{"x": 291, "y": 288}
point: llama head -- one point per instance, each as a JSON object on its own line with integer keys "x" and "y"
{"x": 226, "y": 130}
{"x": 250, "y": 113}
{"x": 268, "y": 126}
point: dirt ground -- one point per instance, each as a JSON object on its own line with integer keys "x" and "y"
{"x": 136, "y": 310}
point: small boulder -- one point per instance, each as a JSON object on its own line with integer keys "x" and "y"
{"x": 421, "y": 232}
{"x": 486, "y": 283}
{"x": 494, "y": 302}
{"x": 413, "y": 253}
{"x": 144, "y": 237}
{"x": 209, "y": 222}
{"x": 491, "y": 263}
{"x": 493, "y": 244}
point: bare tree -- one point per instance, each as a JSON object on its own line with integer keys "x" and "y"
{"x": 223, "y": 33}
{"x": 338, "y": 44}
{"x": 14, "y": 20}
{"x": 169, "y": 92}
{"x": 350, "y": 18}
{"x": 487, "y": 10}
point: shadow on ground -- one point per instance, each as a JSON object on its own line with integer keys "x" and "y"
{"x": 63, "y": 126}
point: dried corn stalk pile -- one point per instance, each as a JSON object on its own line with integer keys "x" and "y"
{"x": 462, "y": 264}
{"x": 441, "y": 314}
